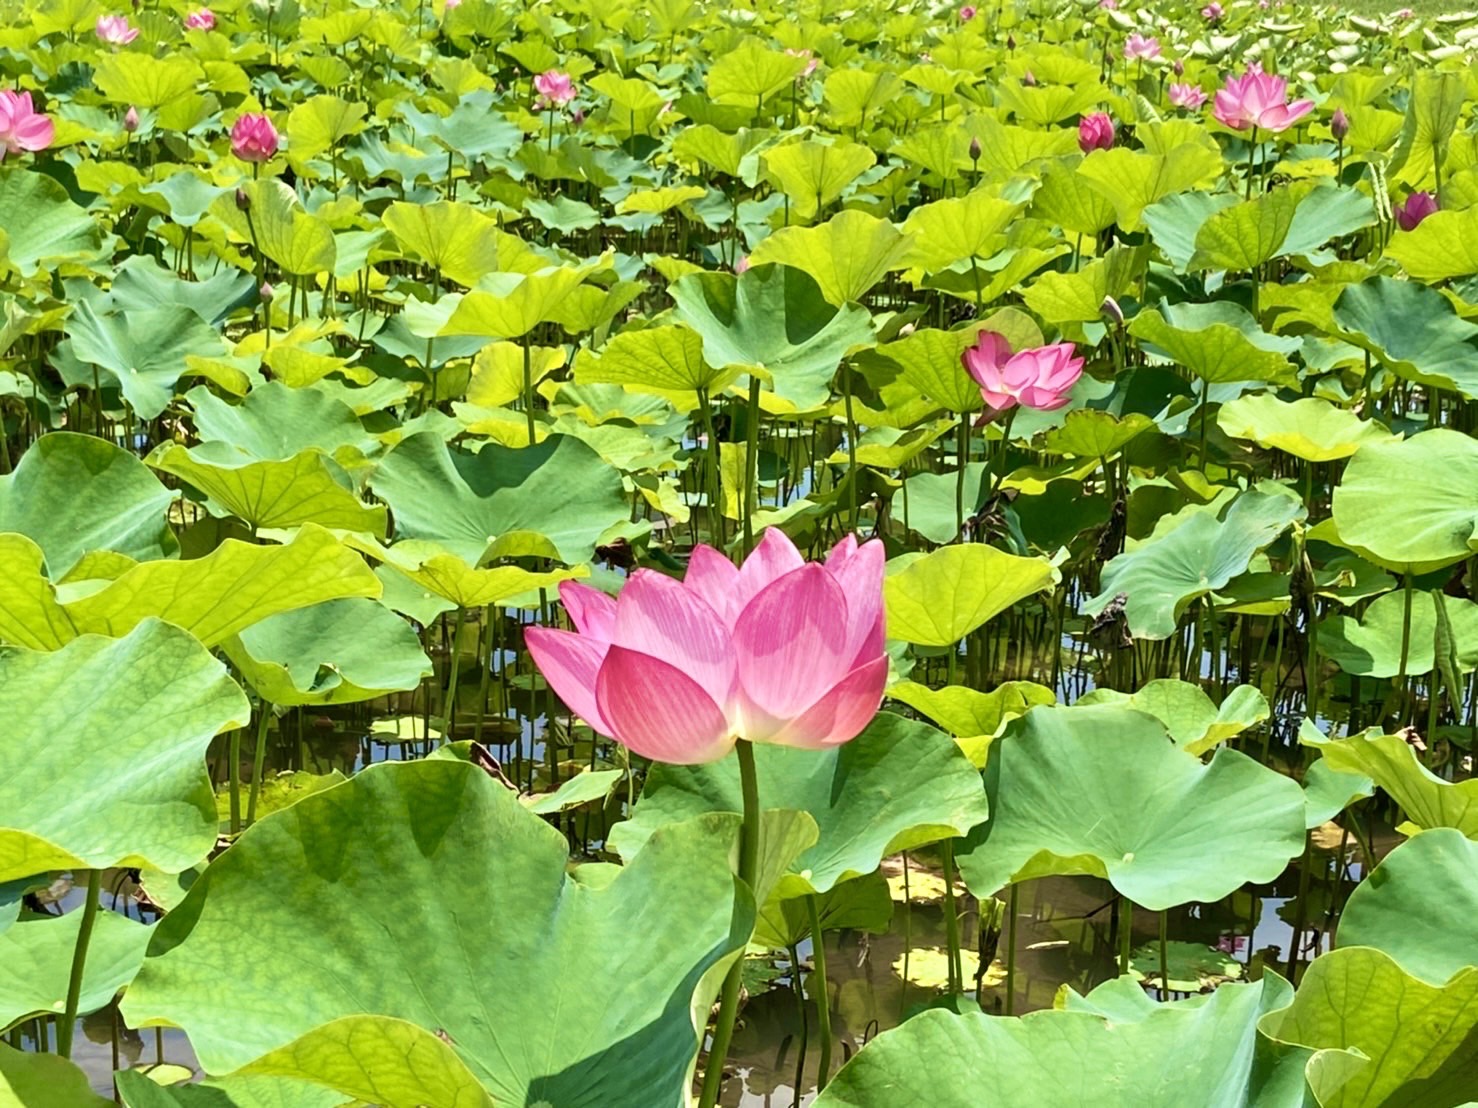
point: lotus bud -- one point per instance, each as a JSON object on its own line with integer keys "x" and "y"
{"x": 131, "y": 119}
{"x": 243, "y": 201}
{"x": 1111, "y": 311}
{"x": 1029, "y": 79}
{"x": 1010, "y": 42}
{"x": 1179, "y": 67}
{"x": 265, "y": 294}
{"x": 1339, "y": 125}
{"x": 975, "y": 149}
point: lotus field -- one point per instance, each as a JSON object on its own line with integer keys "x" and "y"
{"x": 596, "y": 554}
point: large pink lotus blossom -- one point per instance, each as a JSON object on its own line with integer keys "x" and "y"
{"x": 1041, "y": 377}
{"x": 115, "y": 30}
{"x": 1138, "y": 46}
{"x": 779, "y": 651}
{"x": 1260, "y": 100}
{"x": 21, "y": 126}
{"x": 253, "y": 138}
{"x": 202, "y": 19}
{"x": 554, "y": 87}
{"x": 1186, "y": 96}
{"x": 1414, "y": 209}
{"x": 1095, "y": 132}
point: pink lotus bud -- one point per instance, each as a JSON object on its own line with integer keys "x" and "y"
{"x": 1111, "y": 311}
{"x": 1339, "y": 125}
{"x": 1179, "y": 67}
{"x": 1212, "y": 12}
{"x": 1185, "y": 96}
{"x": 201, "y": 19}
{"x": 975, "y": 148}
{"x": 131, "y": 120}
{"x": 967, "y": 13}
{"x": 742, "y": 265}
{"x": 265, "y": 294}
{"x": 1416, "y": 208}
{"x": 1029, "y": 79}
{"x": 1096, "y": 132}
{"x": 243, "y": 201}
{"x": 253, "y": 138}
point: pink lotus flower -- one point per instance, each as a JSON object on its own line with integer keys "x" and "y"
{"x": 1039, "y": 378}
{"x": 21, "y": 126}
{"x": 452, "y": 5}
{"x": 554, "y": 87}
{"x": 202, "y": 19}
{"x": 253, "y": 138}
{"x": 131, "y": 119}
{"x": 1212, "y": 12}
{"x": 115, "y": 31}
{"x": 1138, "y": 46}
{"x": 1095, "y": 132}
{"x": 1416, "y": 208}
{"x": 1186, "y": 96}
{"x": 742, "y": 265}
{"x": 811, "y": 60}
{"x": 781, "y": 651}
{"x": 1259, "y": 100}
{"x": 1405, "y": 13}
{"x": 967, "y": 13}
{"x": 1109, "y": 5}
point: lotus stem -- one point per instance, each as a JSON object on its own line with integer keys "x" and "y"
{"x": 233, "y": 774}
{"x": 749, "y": 849}
{"x": 752, "y": 463}
{"x": 951, "y": 917}
{"x": 1164, "y": 954}
{"x": 259, "y": 763}
{"x": 1126, "y": 934}
{"x": 1406, "y": 594}
{"x": 819, "y": 990}
{"x": 90, "y": 906}
{"x": 1011, "y": 910}
{"x": 528, "y": 389}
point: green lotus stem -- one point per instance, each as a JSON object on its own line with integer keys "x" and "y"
{"x": 964, "y": 453}
{"x": 1000, "y": 477}
{"x": 90, "y": 906}
{"x": 951, "y": 918}
{"x": 1205, "y": 399}
{"x": 485, "y": 660}
{"x": 819, "y": 991}
{"x": 715, "y": 479}
{"x": 1407, "y": 594}
{"x": 752, "y": 463}
{"x": 1301, "y": 901}
{"x": 259, "y": 763}
{"x": 1164, "y": 954}
{"x": 1126, "y": 934}
{"x": 233, "y": 775}
{"x": 749, "y": 850}
{"x": 1011, "y": 910}
{"x": 1251, "y": 150}
{"x": 449, "y": 709}
{"x": 851, "y": 443}
{"x": 528, "y": 388}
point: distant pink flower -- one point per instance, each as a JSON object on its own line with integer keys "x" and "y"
{"x": 131, "y": 119}
{"x": 1138, "y": 46}
{"x": 1212, "y": 12}
{"x": 452, "y": 5}
{"x": 21, "y": 126}
{"x": 780, "y": 651}
{"x": 1040, "y": 378}
{"x": 253, "y": 138}
{"x": 742, "y": 265}
{"x": 1109, "y": 5}
{"x": 1095, "y": 132}
{"x": 1405, "y": 13}
{"x": 967, "y": 13}
{"x": 811, "y": 60}
{"x": 554, "y": 87}
{"x": 1186, "y": 96}
{"x": 201, "y": 19}
{"x": 1257, "y": 99}
{"x": 1416, "y": 208}
{"x": 115, "y": 31}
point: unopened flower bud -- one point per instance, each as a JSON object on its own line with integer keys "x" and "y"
{"x": 264, "y": 294}
{"x": 1111, "y": 311}
{"x": 1179, "y": 67}
{"x": 1339, "y": 125}
{"x": 131, "y": 120}
{"x": 975, "y": 149}
{"x": 1010, "y": 42}
{"x": 1029, "y": 79}
{"x": 243, "y": 201}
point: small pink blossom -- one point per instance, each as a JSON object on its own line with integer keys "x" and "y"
{"x": 253, "y": 138}
{"x": 115, "y": 30}
{"x": 811, "y": 60}
{"x": 1414, "y": 209}
{"x": 742, "y": 265}
{"x": 1186, "y": 96}
{"x": 21, "y": 126}
{"x": 1096, "y": 132}
{"x": 1109, "y": 5}
{"x": 1040, "y": 378}
{"x": 452, "y": 5}
{"x": 554, "y": 87}
{"x": 1212, "y": 12}
{"x": 1405, "y": 14}
{"x": 1258, "y": 100}
{"x": 201, "y": 19}
{"x": 131, "y": 119}
{"x": 1137, "y": 46}
{"x": 967, "y": 13}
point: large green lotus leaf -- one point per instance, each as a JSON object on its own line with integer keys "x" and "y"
{"x": 1091, "y": 433}
{"x": 29, "y": 1080}
{"x": 1328, "y": 791}
{"x": 140, "y": 283}
{"x": 1311, "y": 428}
{"x": 930, "y": 498}
{"x": 1196, "y": 558}
{"x": 1296, "y": 220}
{"x": 333, "y": 653}
{"x": 144, "y": 351}
{"x": 952, "y": 230}
{"x": 554, "y": 499}
{"x": 40, "y": 227}
{"x": 1194, "y": 723}
{"x": 1443, "y": 245}
{"x": 662, "y": 360}
{"x": 104, "y": 747}
{"x": 969, "y": 713}
{"x": 1422, "y": 1041}
{"x": 1108, "y": 1050}
{"x": 773, "y": 319}
{"x": 506, "y": 969}
{"x": 1217, "y": 341}
{"x": 321, "y": 123}
{"x": 937, "y": 599}
{"x": 72, "y": 494}
{"x": 1388, "y": 760}
{"x": 813, "y": 174}
{"x": 140, "y": 1090}
{"x": 751, "y": 72}
{"x": 433, "y": 572}
{"x": 1412, "y": 329}
{"x": 309, "y": 487}
{"x": 1411, "y": 505}
{"x": 862, "y": 904}
{"x": 929, "y": 361}
{"x": 1132, "y": 180}
{"x": 36, "y": 962}
{"x": 846, "y": 255}
{"x": 455, "y": 239}
{"x": 1371, "y": 645}
{"x": 301, "y": 243}
{"x": 137, "y": 79}
{"x": 1420, "y": 906}
{"x": 1175, "y": 221}
{"x": 274, "y": 423}
{"x": 212, "y": 597}
{"x": 510, "y": 305}
{"x": 898, "y": 785}
{"x": 1099, "y": 790}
